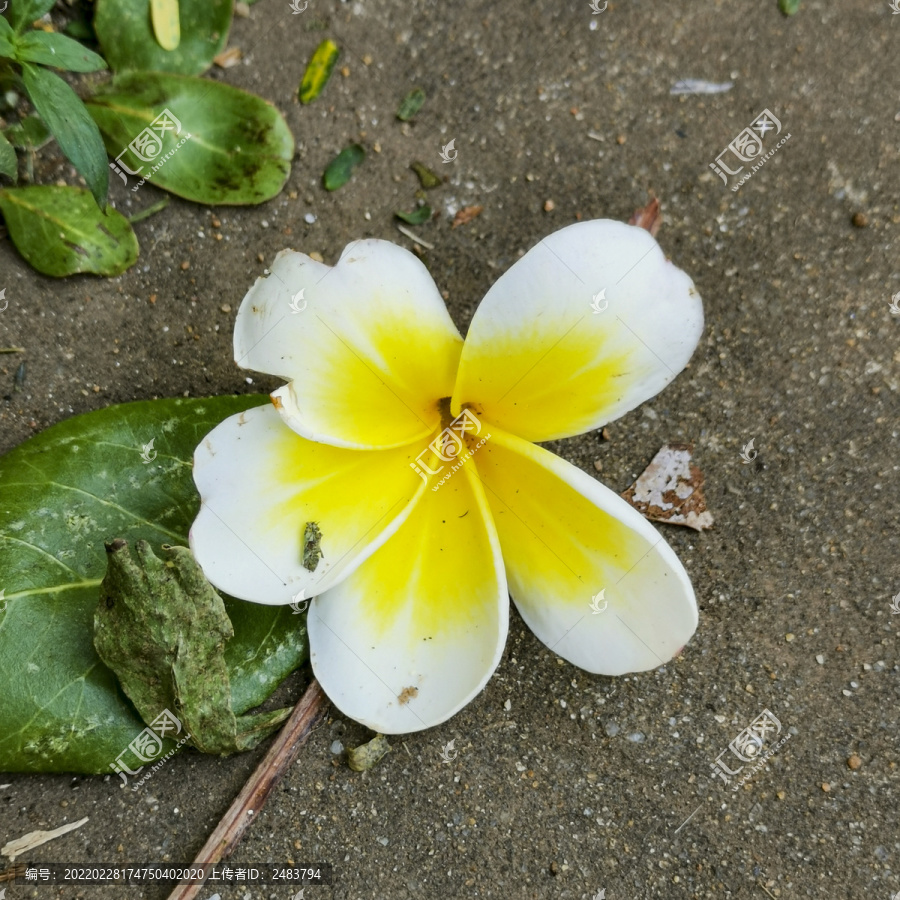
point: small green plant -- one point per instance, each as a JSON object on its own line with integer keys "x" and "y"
{"x": 25, "y": 55}
{"x": 145, "y": 117}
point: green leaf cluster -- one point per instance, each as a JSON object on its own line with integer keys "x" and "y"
{"x": 223, "y": 146}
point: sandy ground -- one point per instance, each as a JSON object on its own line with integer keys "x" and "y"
{"x": 566, "y": 784}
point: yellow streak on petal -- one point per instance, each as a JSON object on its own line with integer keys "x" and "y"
{"x": 379, "y": 383}
{"x": 541, "y": 380}
{"x": 556, "y": 543}
{"x": 350, "y": 494}
{"x": 437, "y": 575}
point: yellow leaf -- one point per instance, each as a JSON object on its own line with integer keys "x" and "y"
{"x": 166, "y": 27}
{"x": 318, "y": 71}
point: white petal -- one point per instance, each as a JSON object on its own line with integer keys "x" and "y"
{"x": 368, "y": 355}
{"x": 417, "y": 630}
{"x": 260, "y": 485}
{"x": 567, "y": 540}
{"x": 541, "y": 363}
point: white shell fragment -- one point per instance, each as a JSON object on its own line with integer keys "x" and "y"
{"x": 671, "y": 489}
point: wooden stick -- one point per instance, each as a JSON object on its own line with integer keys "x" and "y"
{"x": 279, "y": 758}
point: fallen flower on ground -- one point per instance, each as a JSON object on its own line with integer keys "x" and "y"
{"x": 412, "y": 456}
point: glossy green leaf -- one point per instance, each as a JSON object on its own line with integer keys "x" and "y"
{"x": 218, "y": 144}
{"x": 125, "y": 31}
{"x": 24, "y": 12}
{"x": 124, "y": 471}
{"x": 61, "y": 231}
{"x": 29, "y": 134}
{"x": 341, "y": 167}
{"x": 51, "y": 49}
{"x": 75, "y": 131}
{"x": 318, "y": 71}
{"x": 416, "y": 217}
{"x": 411, "y": 104}
{"x": 9, "y": 165}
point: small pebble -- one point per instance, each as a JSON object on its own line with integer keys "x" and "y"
{"x": 185, "y": 266}
{"x": 611, "y": 729}
{"x": 620, "y": 139}
{"x": 847, "y": 693}
{"x": 789, "y": 636}
{"x": 317, "y": 256}
{"x": 820, "y": 659}
{"x": 337, "y": 747}
{"x": 826, "y": 786}
{"x": 860, "y": 220}
{"x": 309, "y": 218}
{"x": 549, "y": 206}
{"x": 507, "y": 705}
{"x": 781, "y": 795}
{"x": 854, "y": 762}
{"x": 598, "y": 465}
{"x": 636, "y": 737}
{"x": 225, "y": 307}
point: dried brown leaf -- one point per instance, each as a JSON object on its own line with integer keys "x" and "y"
{"x": 466, "y": 214}
{"x": 648, "y": 217}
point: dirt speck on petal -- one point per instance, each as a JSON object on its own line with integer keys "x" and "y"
{"x": 407, "y": 694}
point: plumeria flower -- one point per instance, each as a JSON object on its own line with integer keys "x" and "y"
{"x": 397, "y": 479}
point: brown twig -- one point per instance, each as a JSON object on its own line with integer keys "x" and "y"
{"x": 279, "y": 758}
